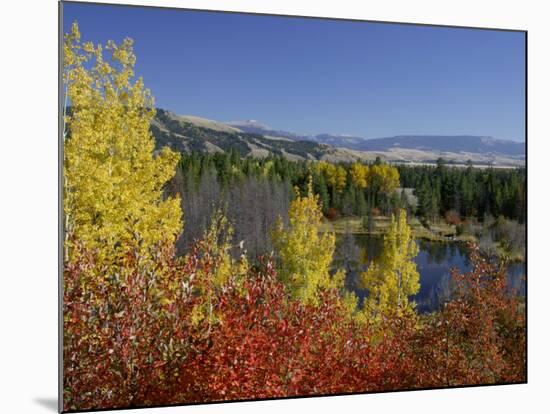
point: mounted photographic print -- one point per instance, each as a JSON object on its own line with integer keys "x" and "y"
{"x": 264, "y": 206}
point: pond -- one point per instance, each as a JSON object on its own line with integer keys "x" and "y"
{"x": 434, "y": 261}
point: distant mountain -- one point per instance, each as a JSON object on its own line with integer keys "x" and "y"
{"x": 411, "y": 148}
{"x": 254, "y": 127}
{"x": 345, "y": 141}
{"x": 187, "y": 133}
{"x": 439, "y": 143}
{"x": 445, "y": 143}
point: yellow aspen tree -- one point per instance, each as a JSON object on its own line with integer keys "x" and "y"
{"x": 318, "y": 167}
{"x": 392, "y": 278}
{"x": 330, "y": 172}
{"x": 113, "y": 179}
{"x": 305, "y": 255}
{"x": 341, "y": 178}
{"x": 391, "y": 179}
{"x": 220, "y": 270}
{"x": 359, "y": 174}
{"x": 386, "y": 175}
{"x": 336, "y": 176}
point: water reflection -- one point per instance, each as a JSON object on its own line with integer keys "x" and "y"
{"x": 434, "y": 261}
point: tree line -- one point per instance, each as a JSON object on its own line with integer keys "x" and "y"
{"x": 469, "y": 192}
{"x": 144, "y": 326}
{"x": 205, "y": 182}
{"x": 359, "y": 188}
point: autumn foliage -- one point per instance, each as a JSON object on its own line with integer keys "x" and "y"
{"x": 452, "y": 217}
{"x": 112, "y": 180}
{"x": 479, "y": 336}
{"x": 131, "y": 340}
{"x": 143, "y": 326}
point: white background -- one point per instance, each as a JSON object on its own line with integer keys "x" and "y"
{"x": 28, "y": 204}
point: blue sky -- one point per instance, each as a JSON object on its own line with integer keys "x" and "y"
{"x": 313, "y": 76}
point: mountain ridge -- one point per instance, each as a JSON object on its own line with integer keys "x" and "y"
{"x": 457, "y": 142}
{"x": 252, "y": 138}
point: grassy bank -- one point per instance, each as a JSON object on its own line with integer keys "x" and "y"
{"x": 439, "y": 231}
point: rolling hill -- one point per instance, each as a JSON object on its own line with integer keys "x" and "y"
{"x": 187, "y": 133}
{"x": 445, "y": 143}
{"x": 420, "y": 148}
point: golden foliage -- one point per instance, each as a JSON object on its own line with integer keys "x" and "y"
{"x": 305, "y": 255}
{"x": 383, "y": 176}
{"x": 360, "y": 174}
{"x": 386, "y": 176}
{"x": 113, "y": 181}
{"x": 336, "y": 175}
{"x": 393, "y": 277}
{"x": 217, "y": 270}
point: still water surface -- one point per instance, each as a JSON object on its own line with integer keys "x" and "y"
{"x": 433, "y": 262}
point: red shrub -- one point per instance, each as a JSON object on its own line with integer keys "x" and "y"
{"x": 123, "y": 339}
{"x": 130, "y": 339}
{"x": 452, "y": 217}
{"x": 479, "y": 337}
{"x": 332, "y": 214}
{"x": 270, "y": 346}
